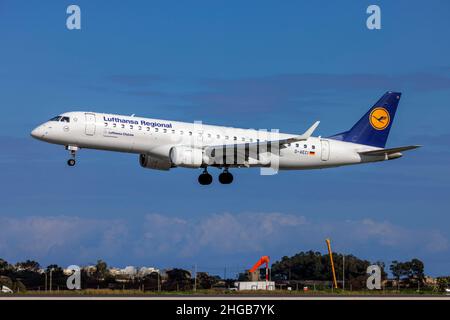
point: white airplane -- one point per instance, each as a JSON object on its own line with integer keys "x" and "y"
{"x": 166, "y": 144}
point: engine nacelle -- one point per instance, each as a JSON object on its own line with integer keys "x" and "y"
{"x": 149, "y": 162}
{"x": 187, "y": 157}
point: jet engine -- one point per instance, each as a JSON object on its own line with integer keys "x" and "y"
{"x": 182, "y": 156}
{"x": 150, "y": 162}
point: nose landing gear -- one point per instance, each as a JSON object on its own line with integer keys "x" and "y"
{"x": 205, "y": 178}
{"x": 73, "y": 150}
{"x": 225, "y": 177}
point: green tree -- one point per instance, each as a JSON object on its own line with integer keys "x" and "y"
{"x": 205, "y": 281}
{"x": 243, "y": 276}
{"x": 150, "y": 281}
{"x": 5, "y": 268}
{"x": 443, "y": 283}
{"x": 178, "y": 279}
{"x": 101, "y": 270}
{"x": 58, "y": 277}
{"x": 417, "y": 270}
{"x": 29, "y": 265}
{"x": 412, "y": 271}
{"x": 312, "y": 265}
{"x": 395, "y": 268}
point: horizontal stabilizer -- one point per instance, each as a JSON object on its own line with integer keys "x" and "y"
{"x": 382, "y": 152}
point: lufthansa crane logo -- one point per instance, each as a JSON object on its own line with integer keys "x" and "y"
{"x": 379, "y": 118}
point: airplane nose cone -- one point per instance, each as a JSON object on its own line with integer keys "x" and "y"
{"x": 37, "y": 132}
{"x": 34, "y": 133}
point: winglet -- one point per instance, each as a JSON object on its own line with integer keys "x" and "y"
{"x": 309, "y": 132}
{"x": 301, "y": 137}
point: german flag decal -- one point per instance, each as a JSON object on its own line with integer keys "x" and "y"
{"x": 312, "y": 153}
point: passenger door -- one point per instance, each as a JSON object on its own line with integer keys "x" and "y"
{"x": 325, "y": 154}
{"x": 90, "y": 124}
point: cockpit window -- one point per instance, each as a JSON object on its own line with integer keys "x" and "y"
{"x": 60, "y": 118}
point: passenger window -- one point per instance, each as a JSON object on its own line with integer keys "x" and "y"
{"x": 305, "y": 146}
{"x": 173, "y": 131}
{"x": 209, "y": 135}
{"x": 313, "y": 147}
{"x": 251, "y": 140}
{"x": 296, "y": 145}
{"x": 226, "y": 137}
{"x": 106, "y": 124}
{"x": 123, "y": 126}
{"x": 234, "y": 138}
{"x": 243, "y": 139}
{"x": 165, "y": 130}
{"x": 181, "y": 132}
{"x": 140, "y": 128}
{"x": 148, "y": 128}
{"x": 190, "y": 133}
{"x": 218, "y": 136}
{"x": 156, "y": 130}
{"x": 114, "y": 125}
{"x": 131, "y": 126}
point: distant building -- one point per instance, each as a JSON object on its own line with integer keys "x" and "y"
{"x": 67, "y": 272}
{"x": 131, "y": 272}
{"x": 146, "y": 271}
{"x": 115, "y": 271}
{"x": 430, "y": 281}
{"x": 255, "y": 285}
{"x": 89, "y": 269}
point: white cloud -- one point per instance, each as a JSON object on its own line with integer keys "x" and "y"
{"x": 225, "y": 232}
{"x": 36, "y": 237}
{"x": 159, "y": 238}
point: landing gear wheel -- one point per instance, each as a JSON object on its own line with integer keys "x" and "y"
{"x": 73, "y": 151}
{"x": 225, "y": 177}
{"x": 205, "y": 179}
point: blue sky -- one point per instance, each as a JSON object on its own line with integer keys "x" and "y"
{"x": 258, "y": 64}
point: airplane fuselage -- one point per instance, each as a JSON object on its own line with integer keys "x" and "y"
{"x": 155, "y": 138}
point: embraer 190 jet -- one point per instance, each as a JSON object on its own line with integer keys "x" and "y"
{"x": 166, "y": 144}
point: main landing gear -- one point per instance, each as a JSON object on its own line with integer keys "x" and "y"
{"x": 73, "y": 150}
{"x": 225, "y": 177}
{"x": 205, "y": 178}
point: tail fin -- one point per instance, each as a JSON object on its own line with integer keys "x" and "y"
{"x": 373, "y": 128}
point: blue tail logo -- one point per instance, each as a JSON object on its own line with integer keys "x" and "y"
{"x": 373, "y": 128}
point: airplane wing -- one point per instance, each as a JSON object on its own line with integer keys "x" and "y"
{"x": 263, "y": 146}
{"x": 382, "y": 152}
